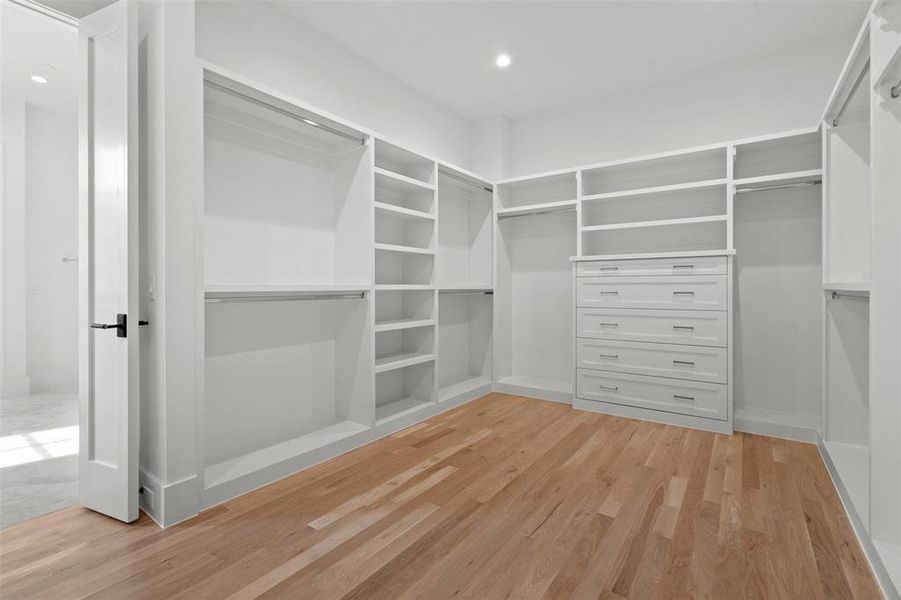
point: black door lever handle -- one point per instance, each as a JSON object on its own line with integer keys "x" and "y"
{"x": 121, "y": 325}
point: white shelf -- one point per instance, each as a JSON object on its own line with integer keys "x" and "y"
{"x": 398, "y": 408}
{"x": 403, "y": 287}
{"x": 780, "y": 178}
{"x": 398, "y": 324}
{"x": 400, "y": 183}
{"x": 399, "y": 361}
{"x": 852, "y": 461}
{"x": 463, "y": 387}
{"x": 403, "y": 213}
{"x": 247, "y": 464}
{"x": 694, "y": 185}
{"x": 660, "y": 223}
{"x": 537, "y": 208}
{"x": 683, "y": 254}
{"x": 853, "y": 288}
{"x": 404, "y": 249}
{"x": 463, "y": 287}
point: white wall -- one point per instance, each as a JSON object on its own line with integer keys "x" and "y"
{"x": 266, "y": 45}
{"x": 13, "y": 376}
{"x": 770, "y": 94}
{"x": 51, "y": 232}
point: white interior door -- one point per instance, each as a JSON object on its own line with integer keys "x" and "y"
{"x": 108, "y": 273}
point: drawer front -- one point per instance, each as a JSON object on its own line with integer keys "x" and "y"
{"x": 696, "y": 363}
{"x": 689, "y": 293}
{"x": 669, "y": 395}
{"x": 699, "y": 265}
{"x": 691, "y": 327}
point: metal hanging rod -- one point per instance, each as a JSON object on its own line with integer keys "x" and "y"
{"x": 840, "y": 295}
{"x": 896, "y": 90}
{"x": 539, "y": 212}
{"x": 466, "y": 181}
{"x": 283, "y": 112}
{"x": 286, "y": 297}
{"x": 841, "y": 111}
{"x": 483, "y": 292}
{"x": 778, "y": 187}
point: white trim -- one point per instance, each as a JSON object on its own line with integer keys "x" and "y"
{"x": 883, "y": 579}
{"x": 677, "y": 254}
{"x": 776, "y": 423}
{"x": 172, "y": 502}
{"x": 654, "y": 416}
{"x": 46, "y": 11}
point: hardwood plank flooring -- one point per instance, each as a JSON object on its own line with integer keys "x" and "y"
{"x": 505, "y": 497}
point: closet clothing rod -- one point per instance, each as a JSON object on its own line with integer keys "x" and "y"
{"x": 896, "y": 90}
{"x": 840, "y": 295}
{"x": 287, "y": 297}
{"x": 465, "y": 180}
{"x": 841, "y": 111}
{"x": 485, "y": 292}
{"x": 284, "y": 112}
{"x": 538, "y": 212}
{"x": 778, "y": 187}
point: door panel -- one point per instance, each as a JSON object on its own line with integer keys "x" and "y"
{"x": 108, "y": 277}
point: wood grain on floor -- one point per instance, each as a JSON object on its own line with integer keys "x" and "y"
{"x": 505, "y": 497}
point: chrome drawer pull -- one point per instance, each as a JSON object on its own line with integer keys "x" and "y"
{"x": 609, "y": 324}
{"x": 683, "y": 293}
{"x": 607, "y": 293}
{"x": 614, "y": 269}
{"x": 610, "y": 356}
{"x": 683, "y": 327}
{"x": 612, "y": 388}
{"x": 686, "y": 398}
{"x": 676, "y": 267}
{"x": 687, "y": 363}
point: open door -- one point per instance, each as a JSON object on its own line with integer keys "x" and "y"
{"x": 108, "y": 269}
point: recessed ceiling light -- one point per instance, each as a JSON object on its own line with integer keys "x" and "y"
{"x": 503, "y": 61}
{"x": 39, "y": 79}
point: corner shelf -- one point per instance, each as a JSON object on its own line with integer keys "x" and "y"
{"x": 853, "y": 288}
{"x": 403, "y": 213}
{"x": 400, "y": 324}
{"x": 660, "y": 189}
{"x": 542, "y": 207}
{"x": 404, "y": 249}
{"x": 660, "y": 223}
{"x": 400, "y": 183}
{"x": 399, "y": 361}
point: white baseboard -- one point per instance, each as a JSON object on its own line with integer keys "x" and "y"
{"x": 655, "y": 416}
{"x": 534, "y": 392}
{"x": 883, "y": 579}
{"x": 168, "y": 504}
{"x": 776, "y": 423}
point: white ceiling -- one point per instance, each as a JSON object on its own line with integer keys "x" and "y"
{"x": 31, "y": 43}
{"x": 564, "y": 52}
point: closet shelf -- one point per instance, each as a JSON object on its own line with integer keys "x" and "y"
{"x": 404, "y": 249}
{"x": 890, "y": 74}
{"x": 852, "y": 288}
{"x": 463, "y": 387}
{"x": 779, "y": 178}
{"x": 694, "y": 185}
{"x": 398, "y": 408}
{"x": 536, "y": 208}
{"x": 403, "y": 213}
{"x": 660, "y": 223}
{"x": 679, "y": 254}
{"x": 398, "y": 324}
{"x": 247, "y": 464}
{"x": 463, "y": 287}
{"x": 403, "y": 287}
{"x": 400, "y": 183}
{"x": 399, "y": 361}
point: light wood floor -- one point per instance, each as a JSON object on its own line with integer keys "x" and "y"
{"x": 505, "y": 497}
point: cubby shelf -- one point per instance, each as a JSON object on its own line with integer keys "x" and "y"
{"x": 780, "y": 178}
{"x": 398, "y": 408}
{"x": 404, "y": 249}
{"x": 537, "y": 208}
{"x": 399, "y": 324}
{"x": 848, "y": 288}
{"x": 660, "y": 223}
{"x": 225, "y": 292}
{"x": 660, "y": 189}
{"x": 403, "y": 213}
{"x": 400, "y": 183}
{"x": 399, "y": 361}
{"x": 403, "y": 287}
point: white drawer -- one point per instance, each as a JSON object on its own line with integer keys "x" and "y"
{"x": 699, "y": 265}
{"x": 696, "y": 363}
{"x": 690, "y": 293}
{"x": 692, "y": 327}
{"x": 669, "y": 395}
